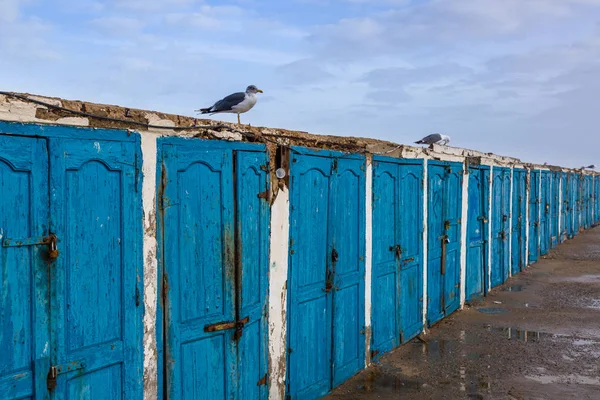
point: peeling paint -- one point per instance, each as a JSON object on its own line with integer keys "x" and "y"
{"x": 278, "y": 274}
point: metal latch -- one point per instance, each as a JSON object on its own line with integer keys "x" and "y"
{"x": 397, "y": 250}
{"x": 49, "y": 241}
{"x": 445, "y": 241}
{"x": 222, "y": 326}
{"x": 334, "y": 256}
{"x": 51, "y": 379}
{"x": 482, "y": 218}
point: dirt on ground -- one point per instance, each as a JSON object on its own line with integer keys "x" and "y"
{"x": 535, "y": 337}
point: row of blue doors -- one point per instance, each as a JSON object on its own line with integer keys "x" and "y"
{"x": 70, "y": 263}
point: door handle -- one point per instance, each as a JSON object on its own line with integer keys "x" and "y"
{"x": 445, "y": 241}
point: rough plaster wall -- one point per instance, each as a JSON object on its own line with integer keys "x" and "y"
{"x": 21, "y": 111}
{"x": 148, "y": 143}
{"x": 464, "y": 218}
{"x": 278, "y": 275}
{"x": 369, "y": 257}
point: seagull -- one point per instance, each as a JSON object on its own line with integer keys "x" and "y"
{"x": 591, "y": 166}
{"x": 236, "y": 103}
{"x": 434, "y": 138}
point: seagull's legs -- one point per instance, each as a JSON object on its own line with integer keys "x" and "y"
{"x": 239, "y": 123}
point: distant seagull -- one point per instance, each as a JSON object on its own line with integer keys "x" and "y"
{"x": 237, "y": 103}
{"x": 434, "y": 138}
{"x": 589, "y": 167}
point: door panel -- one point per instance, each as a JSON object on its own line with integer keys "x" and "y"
{"x": 24, "y": 317}
{"x": 545, "y": 219}
{"x": 310, "y": 325}
{"x": 444, "y": 213}
{"x": 477, "y": 236}
{"x": 96, "y": 321}
{"x": 198, "y": 206}
{"x": 347, "y": 228}
{"x": 534, "y": 216}
{"x": 519, "y": 194}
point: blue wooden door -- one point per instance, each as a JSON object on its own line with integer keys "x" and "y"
{"x": 596, "y": 198}
{"x": 24, "y": 312}
{"x": 500, "y": 225}
{"x": 534, "y": 216}
{"x": 95, "y": 299}
{"x": 444, "y": 213}
{"x": 545, "y": 200}
{"x": 588, "y": 201}
{"x": 577, "y": 202}
{"x": 215, "y": 269}
{"x": 477, "y": 233}
{"x": 564, "y": 211}
{"x": 326, "y": 342}
{"x": 84, "y": 340}
{"x": 571, "y": 205}
{"x": 397, "y": 298}
{"x": 554, "y": 207}
{"x": 518, "y": 232}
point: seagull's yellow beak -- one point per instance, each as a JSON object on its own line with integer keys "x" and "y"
{"x": 259, "y": 91}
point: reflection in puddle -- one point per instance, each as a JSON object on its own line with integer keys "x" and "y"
{"x": 595, "y": 304}
{"x": 524, "y": 335}
{"x": 514, "y": 288}
{"x": 566, "y": 379}
{"x": 581, "y": 279}
{"x": 391, "y": 379}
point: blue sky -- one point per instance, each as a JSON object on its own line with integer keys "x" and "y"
{"x": 514, "y": 77}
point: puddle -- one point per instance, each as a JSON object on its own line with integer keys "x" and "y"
{"x": 565, "y": 379}
{"x": 389, "y": 379}
{"x": 581, "y": 279}
{"x": 595, "y": 304}
{"x": 492, "y": 310}
{"x": 513, "y": 288}
{"x": 524, "y": 335}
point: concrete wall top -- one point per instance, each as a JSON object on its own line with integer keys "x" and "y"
{"x": 28, "y": 108}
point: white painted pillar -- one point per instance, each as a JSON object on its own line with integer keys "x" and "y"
{"x": 278, "y": 277}
{"x": 368, "y": 256}
{"x": 464, "y": 218}
{"x": 149, "y": 154}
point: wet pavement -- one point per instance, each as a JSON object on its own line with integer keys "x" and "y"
{"x": 535, "y": 337}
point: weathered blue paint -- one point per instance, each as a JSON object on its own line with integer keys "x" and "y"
{"x": 545, "y": 218}
{"x": 215, "y": 268}
{"x": 534, "y": 216}
{"x": 86, "y": 306}
{"x": 518, "y": 231}
{"x": 554, "y": 207}
{"x": 576, "y": 188}
{"x": 326, "y": 343}
{"x": 500, "y": 225}
{"x": 588, "y": 201}
{"x": 565, "y": 209}
{"x": 397, "y": 295}
{"x": 24, "y": 304}
{"x": 596, "y": 198}
{"x": 444, "y": 214}
{"x": 477, "y": 233}
{"x": 571, "y": 204}
{"x": 96, "y": 290}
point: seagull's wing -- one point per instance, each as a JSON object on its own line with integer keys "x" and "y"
{"x": 430, "y": 139}
{"x": 228, "y": 102}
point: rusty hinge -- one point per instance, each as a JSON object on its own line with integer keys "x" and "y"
{"x": 56, "y": 370}
{"x": 137, "y": 296}
{"x": 334, "y": 255}
{"x": 262, "y": 381}
{"x": 334, "y": 165}
{"x": 265, "y": 195}
{"x": 408, "y": 260}
{"x": 374, "y": 353}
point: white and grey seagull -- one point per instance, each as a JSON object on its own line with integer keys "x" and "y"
{"x": 236, "y": 103}
{"x": 434, "y": 138}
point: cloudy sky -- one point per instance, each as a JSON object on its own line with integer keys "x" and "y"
{"x": 514, "y": 77}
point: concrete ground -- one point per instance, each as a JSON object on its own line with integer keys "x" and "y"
{"x": 540, "y": 341}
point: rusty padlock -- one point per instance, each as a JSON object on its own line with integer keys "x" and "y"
{"x": 52, "y": 249}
